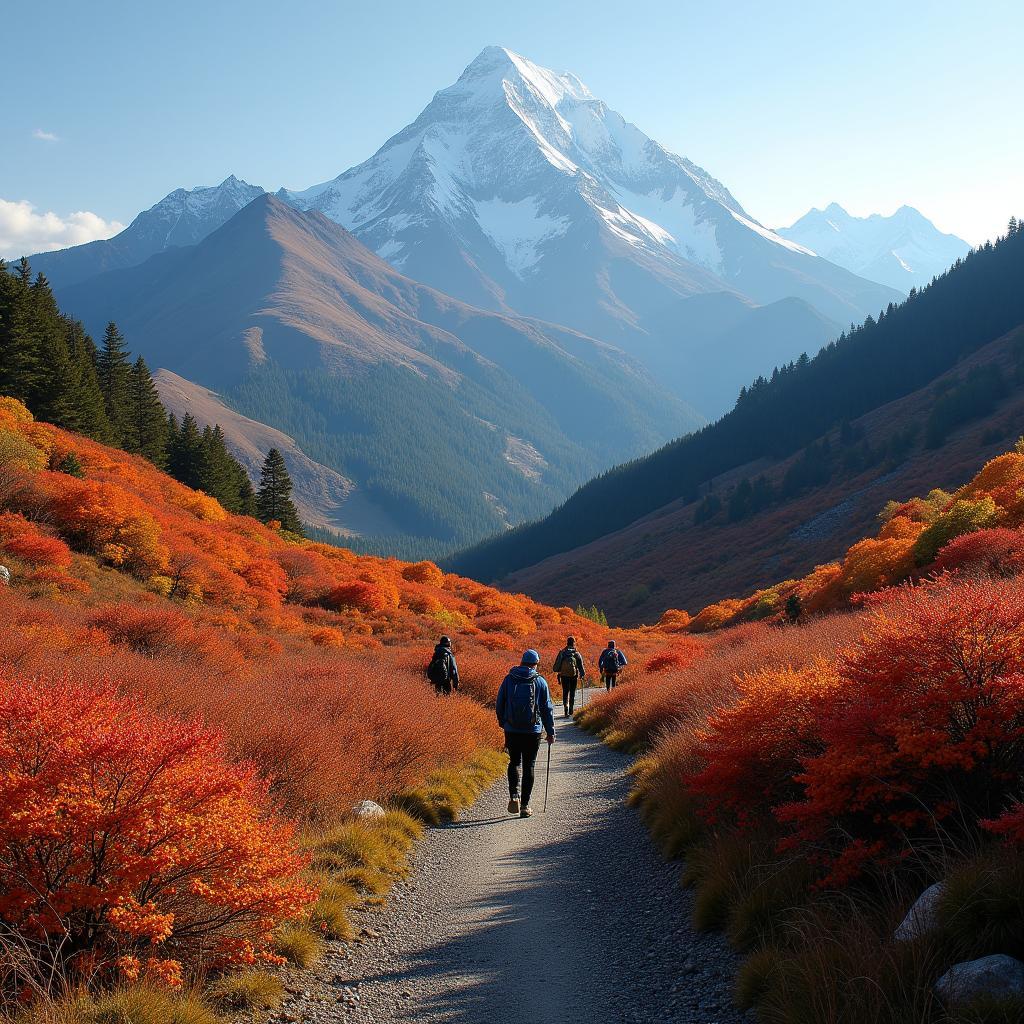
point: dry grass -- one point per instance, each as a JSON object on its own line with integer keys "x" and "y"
{"x": 298, "y": 944}
{"x": 247, "y": 990}
{"x": 139, "y": 1004}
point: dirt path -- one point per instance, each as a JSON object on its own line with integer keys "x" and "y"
{"x": 566, "y": 917}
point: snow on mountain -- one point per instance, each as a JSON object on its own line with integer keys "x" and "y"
{"x": 904, "y": 251}
{"x": 493, "y": 147}
{"x": 184, "y": 217}
{"x": 517, "y": 189}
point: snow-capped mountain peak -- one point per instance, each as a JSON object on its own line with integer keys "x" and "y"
{"x": 903, "y": 250}
{"x": 509, "y": 157}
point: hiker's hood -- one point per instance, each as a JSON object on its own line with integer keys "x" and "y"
{"x": 524, "y": 672}
{"x": 442, "y": 649}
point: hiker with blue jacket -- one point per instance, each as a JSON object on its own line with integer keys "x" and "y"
{"x": 611, "y": 662}
{"x": 443, "y": 671}
{"x": 524, "y": 711}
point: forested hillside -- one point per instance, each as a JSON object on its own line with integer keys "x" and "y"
{"x": 786, "y": 417}
{"x": 450, "y": 421}
{"x": 49, "y": 362}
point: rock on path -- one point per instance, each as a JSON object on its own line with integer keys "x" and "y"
{"x": 564, "y": 918}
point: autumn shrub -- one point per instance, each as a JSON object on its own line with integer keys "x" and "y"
{"x": 996, "y": 552}
{"x": 926, "y": 738}
{"x": 128, "y": 843}
{"x": 364, "y": 596}
{"x": 751, "y": 750}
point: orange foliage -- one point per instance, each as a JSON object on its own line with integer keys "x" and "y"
{"x": 132, "y": 837}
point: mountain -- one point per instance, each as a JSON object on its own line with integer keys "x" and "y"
{"x": 903, "y": 251}
{"x": 184, "y": 217}
{"x": 518, "y": 190}
{"x": 451, "y": 421}
{"x": 800, "y": 463}
{"x": 324, "y": 497}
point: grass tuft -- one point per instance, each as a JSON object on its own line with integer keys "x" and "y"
{"x": 298, "y": 944}
{"x": 247, "y": 990}
{"x": 138, "y": 1004}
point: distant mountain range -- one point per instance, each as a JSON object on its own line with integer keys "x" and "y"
{"x": 903, "y": 251}
{"x": 184, "y": 217}
{"x": 448, "y": 421}
{"x": 565, "y": 261}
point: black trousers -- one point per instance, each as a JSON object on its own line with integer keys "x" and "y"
{"x": 609, "y": 680}
{"x": 568, "y": 692}
{"x": 522, "y": 751}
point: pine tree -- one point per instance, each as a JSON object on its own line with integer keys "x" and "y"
{"x": 273, "y": 500}
{"x": 20, "y": 363}
{"x": 216, "y": 475}
{"x": 114, "y": 371}
{"x": 146, "y": 423}
{"x": 185, "y": 453}
{"x": 92, "y": 410}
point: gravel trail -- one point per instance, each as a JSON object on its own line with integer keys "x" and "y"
{"x": 570, "y": 916}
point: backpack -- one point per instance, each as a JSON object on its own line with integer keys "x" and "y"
{"x": 567, "y": 666}
{"x": 610, "y": 661}
{"x": 439, "y": 671}
{"x": 521, "y": 710}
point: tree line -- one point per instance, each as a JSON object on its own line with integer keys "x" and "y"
{"x": 908, "y": 345}
{"x": 49, "y": 362}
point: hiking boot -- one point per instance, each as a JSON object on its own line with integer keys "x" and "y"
{"x": 513, "y": 805}
{"x": 526, "y": 813}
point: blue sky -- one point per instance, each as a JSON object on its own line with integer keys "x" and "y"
{"x": 110, "y": 105}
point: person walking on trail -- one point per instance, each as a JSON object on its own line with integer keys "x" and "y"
{"x": 611, "y": 662}
{"x": 524, "y": 711}
{"x": 443, "y": 671}
{"x": 571, "y": 671}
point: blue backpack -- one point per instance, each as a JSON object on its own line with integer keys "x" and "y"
{"x": 521, "y": 705}
{"x": 609, "y": 663}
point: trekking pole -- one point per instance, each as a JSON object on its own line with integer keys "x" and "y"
{"x": 547, "y": 781}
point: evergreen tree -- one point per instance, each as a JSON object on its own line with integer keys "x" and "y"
{"x": 146, "y": 423}
{"x": 273, "y": 500}
{"x": 216, "y": 469}
{"x": 185, "y": 453}
{"x": 20, "y": 358}
{"x": 114, "y": 372}
{"x": 91, "y": 408}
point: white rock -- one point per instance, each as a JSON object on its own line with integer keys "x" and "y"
{"x": 922, "y": 916}
{"x": 996, "y": 975}
{"x": 368, "y": 809}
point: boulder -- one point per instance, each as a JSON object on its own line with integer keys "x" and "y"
{"x": 923, "y": 916}
{"x": 996, "y": 976}
{"x": 368, "y": 809}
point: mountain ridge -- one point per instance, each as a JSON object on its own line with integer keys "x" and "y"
{"x": 903, "y": 250}
{"x": 295, "y": 324}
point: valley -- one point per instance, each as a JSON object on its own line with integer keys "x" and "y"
{"x": 510, "y": 580}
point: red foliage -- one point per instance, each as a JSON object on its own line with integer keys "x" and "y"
{"x": 926, "y": 737}
{"x": 132, "y": 836}
{"x": 751, "y": 750}
{"x": 996, "y": 552}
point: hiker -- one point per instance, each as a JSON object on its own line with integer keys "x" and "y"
{"x": 442, "y": 671}
{"x": 5, "y": 576}
{"x": 610, "y": 662}
{"x": 571, "y": 671}
{"x": 524, "y": 710}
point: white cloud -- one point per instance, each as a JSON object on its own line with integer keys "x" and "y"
{"x": 23, "y": 231}
{"x": 45, "y": 136}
